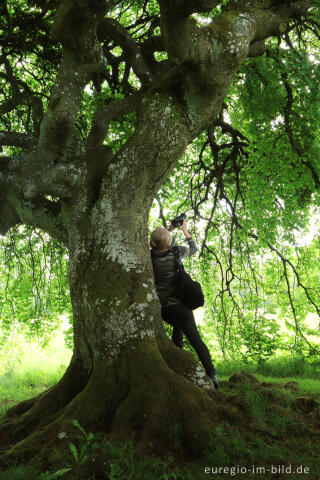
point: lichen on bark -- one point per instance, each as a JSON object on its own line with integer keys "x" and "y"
{"x": 125, "y": 375}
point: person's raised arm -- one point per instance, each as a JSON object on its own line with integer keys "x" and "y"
{"x": 184, "y": 228}
{"x": 192, "y": 246}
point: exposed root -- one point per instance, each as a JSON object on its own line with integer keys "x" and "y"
{"x": 44, "y": 408}
{"x": 137, "y": 394}
{"x": 161, "y": 404}
{"x": 23, "y": 406}
{"x": 95, "y": 404}
{"x": 184, "y": 363}
{"x": 145, "y": 394}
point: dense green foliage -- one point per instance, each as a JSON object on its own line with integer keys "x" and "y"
{"x": 249, "y": 185}
{"x": 34, "y": 287}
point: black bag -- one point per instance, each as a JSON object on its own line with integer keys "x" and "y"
{"x": 189, "y": 291}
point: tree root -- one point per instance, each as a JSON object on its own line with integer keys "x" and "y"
{"x": 184, "y": 363}
{"x": 137, "y": 394}
{"x": 43, "y": 408}
{"x": 160, "y": 402}
{"x": 146, "y": 393}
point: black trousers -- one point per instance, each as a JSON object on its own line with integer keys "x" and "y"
{"x": 183, "y": 322}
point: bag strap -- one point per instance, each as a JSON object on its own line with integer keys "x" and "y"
{"x": 178, "y": 258}
{"x": 173, "y": 241}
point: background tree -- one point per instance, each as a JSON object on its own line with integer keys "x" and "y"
{"x": 99, "y": 102}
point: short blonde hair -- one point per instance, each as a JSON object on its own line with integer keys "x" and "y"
{"x": 160, "y": 238}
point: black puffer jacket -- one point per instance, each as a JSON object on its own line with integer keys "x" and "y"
{"x": 166, "y": 271}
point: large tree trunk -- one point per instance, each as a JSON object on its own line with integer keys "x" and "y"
{"x": 125, "y": 376}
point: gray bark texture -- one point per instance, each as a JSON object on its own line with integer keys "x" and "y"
{"x": 102, "y": 200}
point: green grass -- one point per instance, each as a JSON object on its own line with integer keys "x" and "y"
{"x": 19, "y": 472}
{"x": 305, "y": 385}
{"x": 281, "y": 365}
{"x": 26, "y": 369}
{"x": 124, "y": 463}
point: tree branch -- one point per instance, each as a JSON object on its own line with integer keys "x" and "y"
{"x": 75, "y": 27}
{"x": 59, "y": 180}
{"x": 111, "y": 110}
{"x": 212, "y": 54}
{"x": 242, "y": 23}
{"x": 110, "y": 29}
{"x": 295, "y": 144}
{"x": 17, "y": 97}
{"x": 161, "y": 215}
{"x": 53, "y": 166}
{"x": 15, "y": 139}
{"x": 285, "y": 262}
{"x": 149, "y": 47}
{"x": 184, "y": 8}
{"x": 39, "y": 212}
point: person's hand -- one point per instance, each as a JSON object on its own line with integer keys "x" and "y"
{"x": 184, "y": 228}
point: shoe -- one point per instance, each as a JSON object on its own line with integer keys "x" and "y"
{"x": 214, "y": 379}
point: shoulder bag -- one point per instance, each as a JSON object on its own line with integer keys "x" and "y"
{"x": 189, "y": 291}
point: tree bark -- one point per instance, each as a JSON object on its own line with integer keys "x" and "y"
{"x": 125, "y": 375}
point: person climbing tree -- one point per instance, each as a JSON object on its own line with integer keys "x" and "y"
{"x": 173, "y": 310}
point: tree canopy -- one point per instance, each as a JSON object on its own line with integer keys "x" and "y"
{"x": 251, "y": 177}
{"x": 108, "y": 108}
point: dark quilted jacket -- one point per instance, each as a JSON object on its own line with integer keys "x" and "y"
{"x": 165, "y": 271}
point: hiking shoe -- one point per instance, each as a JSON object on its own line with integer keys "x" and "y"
{"x": 214, "y": 379}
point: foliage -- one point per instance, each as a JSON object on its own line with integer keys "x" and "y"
{"x": 34, "y": 286}
{"x": 88, "y": 442}
{"x": 26, "y": 369}
{"x": 249, "y": 184}
{"x": 21, "y": 472}
{"x": 250, "y": 189}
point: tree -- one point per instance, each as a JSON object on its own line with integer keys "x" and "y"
{"x": 154, "y": 67}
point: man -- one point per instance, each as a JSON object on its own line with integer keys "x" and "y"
{"x": 173, "y": 311}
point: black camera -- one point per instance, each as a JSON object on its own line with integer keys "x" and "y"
{"x": 178, "y": 220}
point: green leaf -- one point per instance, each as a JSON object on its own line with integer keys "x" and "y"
{"x": 74, "y": 451}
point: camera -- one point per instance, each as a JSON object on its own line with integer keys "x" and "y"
{"x": 178, "y": 220}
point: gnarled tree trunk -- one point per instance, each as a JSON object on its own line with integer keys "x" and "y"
{"x": 125, "y": 375}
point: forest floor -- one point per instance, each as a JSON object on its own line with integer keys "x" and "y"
{"x": 270, "y": 429}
